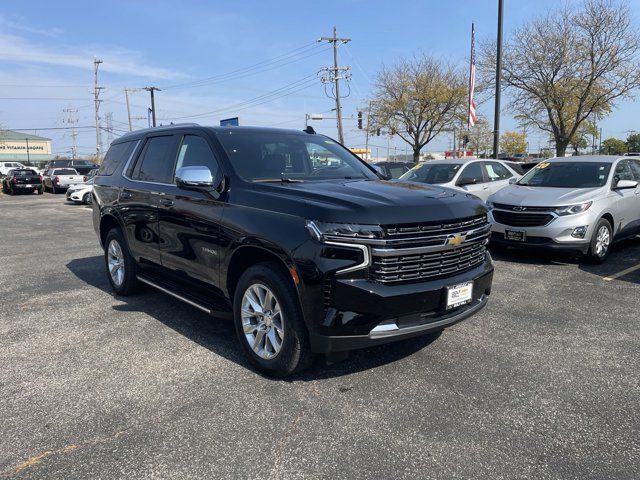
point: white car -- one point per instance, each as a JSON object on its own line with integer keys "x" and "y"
{"x": 6, "y": 166}
{"x": 81, "y": 193}
{"x": 481, "y": 177}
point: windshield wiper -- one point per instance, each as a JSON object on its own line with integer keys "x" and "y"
{"x": 283, "y": 180}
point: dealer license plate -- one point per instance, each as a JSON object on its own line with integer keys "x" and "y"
{"x": 515, "y": 235}
{"x": 459, "y": 294}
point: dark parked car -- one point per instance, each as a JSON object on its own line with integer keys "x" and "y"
{"x": 290, "y": 235}
{"x": 83, "y": 167}
{"x": 393, "y": 169}
{"x": 22, "y": 180}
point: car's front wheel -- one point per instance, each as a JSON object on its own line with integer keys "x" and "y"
{"x": 87, "y": 198}
{"x": 121, "y": 267}
{"x": 269, "y": 321}
{"x": 600, "y": 241}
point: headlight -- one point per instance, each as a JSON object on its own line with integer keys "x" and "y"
{"x": 573, "y": 209}
{"x": 343, "y": 231}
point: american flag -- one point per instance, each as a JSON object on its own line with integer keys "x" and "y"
{"x": 472, "y": 79}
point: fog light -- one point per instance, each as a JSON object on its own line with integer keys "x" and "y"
{"x": 579, "y": 232}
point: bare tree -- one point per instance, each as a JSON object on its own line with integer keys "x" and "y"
{"x": 480, "y": 136}
{"x": 417, "y": 99}
{"x": 566, "y": 66}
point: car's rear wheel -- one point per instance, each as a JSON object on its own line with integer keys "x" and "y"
{"x": 600, "y": 242}
{"x": 39, "y": 191}
{"x": 54, "y": 188}
{"x": 269, "y": 321}
{"x": 121, "y": 267}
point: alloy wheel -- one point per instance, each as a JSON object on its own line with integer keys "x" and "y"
{"x": 115, "y": 261}
{"x": 603, "y": 240}
{"x": 262, "y": 321}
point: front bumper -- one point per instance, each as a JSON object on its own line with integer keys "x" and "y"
{"x": 360, "y": 313}
{"x": 556, "y": 235}
{"x": 75, "y": 195}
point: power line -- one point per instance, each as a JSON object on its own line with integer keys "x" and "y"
{"x": 334, "y": 76}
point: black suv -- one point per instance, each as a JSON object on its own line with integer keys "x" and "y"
{"x": 83, "y": 167}
{"x": 290, "y": 235}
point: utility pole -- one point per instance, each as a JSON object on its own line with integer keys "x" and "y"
{"x": 126, "y": 96}
{"x": 153, "y": 103}
{"x": 96, "y": 95}
{"x": 28, "y": 156}
{"x": 72, "y": 119}
{"x": 496, "y": 111}
{"x": 335, "y": 77}
{"x": 108, "y": 117}
{"x": 366, "y": 141}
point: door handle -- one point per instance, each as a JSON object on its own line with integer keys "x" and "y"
{"x": 165, "y": 202}
{"x": 484, "y": 187}
{"x": 126, "y": 195}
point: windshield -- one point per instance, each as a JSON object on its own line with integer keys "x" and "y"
{"x": 567, "y": 175}
{"x": 290, "y": 156}
{"x": 432, "y": 173}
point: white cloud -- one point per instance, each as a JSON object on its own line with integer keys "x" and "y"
{"x": 116, "y": 59}
{"x": 20, "y": 24}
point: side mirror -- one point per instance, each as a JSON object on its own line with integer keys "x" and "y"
{"x": 466, "y": 181}
{"x": 194, "y": 178}
{"x": 513, "y": 181}
{"x": 625, "y": 184}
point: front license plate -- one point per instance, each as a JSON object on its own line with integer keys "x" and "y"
{"x": 459, "y": 294}
{"x": 515, "y": 235}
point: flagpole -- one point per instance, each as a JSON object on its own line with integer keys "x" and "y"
{"x": 496, "y": 114}
{"x": 470, "y": 79}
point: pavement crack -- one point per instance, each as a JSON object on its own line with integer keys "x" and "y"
{"x": 35, "y": 459}
{"x": 278, "y": 451}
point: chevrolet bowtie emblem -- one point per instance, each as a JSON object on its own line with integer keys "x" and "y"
{"x": 455, "y": 240}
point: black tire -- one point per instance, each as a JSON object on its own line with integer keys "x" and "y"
{"x": 39, "y": 191}
{"x": 11, "y": 191}
{"x": 87, "y": 199}
{"x": 295, "y": 354}
{"x": 4, "y": 187}
{"x": 53, "y": 188}
{"x": 593, "y": 255}
{"x": 130, "y": 282}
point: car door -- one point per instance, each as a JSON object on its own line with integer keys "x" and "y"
{"x": 635, "y": 218}
{"x": 138, "y": 198}
{"x": 627, "y": 204}
{"x": 189, "y": 220}
{"x": 474, "y": 173}
{"x": 498, "y": 176}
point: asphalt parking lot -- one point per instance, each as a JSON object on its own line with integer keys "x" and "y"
{"x": 544, "y": 383}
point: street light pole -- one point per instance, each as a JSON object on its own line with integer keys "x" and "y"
{"x": 496, "y": 114}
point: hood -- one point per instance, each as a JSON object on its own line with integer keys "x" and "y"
{"x": 377, "y": 202}
{"x": 543, "y": 196}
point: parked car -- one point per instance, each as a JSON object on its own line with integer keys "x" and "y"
{"x": 479, "y": 177}
{"x": 581, "y": 204}
{"x": 22, "y": 180}
{"x": 81, "y": 193}
{"x": 61, "y": 178}
{"x": 393, "y": 169}
{"x": 83, "y": 167}
{"x": 6, "y": 166}
{"x": 306, "y": 259}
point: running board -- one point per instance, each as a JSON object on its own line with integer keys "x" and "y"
{"x": 216, "y": 309}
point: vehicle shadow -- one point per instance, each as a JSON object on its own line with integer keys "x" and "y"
{"x": 624, "y": 254}
{"x": 219, "y": 336}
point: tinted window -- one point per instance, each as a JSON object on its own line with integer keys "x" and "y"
{"x": 116, "y": 156}
{"x": 23, "y": 173}
{"x": 472, "y": 172}
{"x": 623, "y": 170}
{"x": 272, "y": 156}
{"x": 156, "y": 161}
{"x": 432, "y": 173}
{"x": 60, "y": 163}
{"x": 65, "y": 171}
{"x": 496, "y": 171}
{"x": 396, "y": 171}
{"x": 635, "y": 168}
{"x": 567, "y": 175}
{"x": 195, "y": 152}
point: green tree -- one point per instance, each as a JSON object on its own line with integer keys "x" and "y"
{"x": 613, "y": 146}
{"x": 564, "y": 67}
{"x": 633, "y": 142}
{"x": 417, "y": 99}
{"x": 513, "y": 143}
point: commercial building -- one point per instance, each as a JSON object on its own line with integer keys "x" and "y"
{"x": 24, "y": 148}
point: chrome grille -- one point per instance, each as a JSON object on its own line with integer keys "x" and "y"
{"x": 517, "y": 219}
{"x": 414, "y": 253}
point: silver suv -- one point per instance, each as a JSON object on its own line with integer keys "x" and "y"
{"x": 579, "y": 204}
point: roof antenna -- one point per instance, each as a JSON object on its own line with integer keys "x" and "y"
{"x": 309, "y": 129}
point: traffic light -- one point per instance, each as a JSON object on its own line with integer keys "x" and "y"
{"x": 360, "y": 120}
{"x": 465, "y": 140}
{"x": 378, "y": 132}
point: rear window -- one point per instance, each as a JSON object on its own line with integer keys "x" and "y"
{"x": 65, "y": 171}
{"x": 60, "y": 163}
{"x": 116, "y": 156}
{"x": 24, "y": 173}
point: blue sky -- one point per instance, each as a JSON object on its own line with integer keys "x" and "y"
{"x": 199, "y": 53}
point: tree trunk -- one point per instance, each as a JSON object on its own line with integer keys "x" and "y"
{"x": 561, "y": 148}
{"x": 416, "y": 154}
